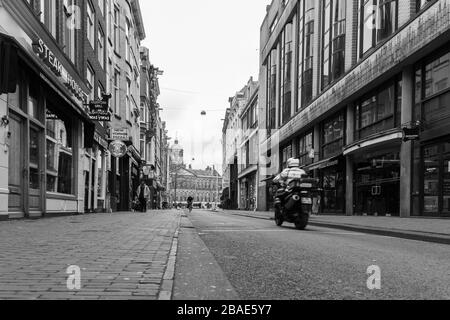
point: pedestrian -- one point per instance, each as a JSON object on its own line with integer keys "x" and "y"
{"x": 143, "y": 193}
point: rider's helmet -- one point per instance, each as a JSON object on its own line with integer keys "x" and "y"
{"x": 293, "y": 163}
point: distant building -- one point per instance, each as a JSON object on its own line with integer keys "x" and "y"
{"x": 234, "y": 145}
{"x": 202, "y": 185}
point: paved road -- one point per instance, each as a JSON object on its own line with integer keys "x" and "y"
{"x": 261, "y": 261}
{"x": 120, "y": 256}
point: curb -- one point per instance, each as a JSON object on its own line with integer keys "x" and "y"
{"x": 386, "y": 232}
{"x": 166, "y": 290}
{"x": 382, "y": 232}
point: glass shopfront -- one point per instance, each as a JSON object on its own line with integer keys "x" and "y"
{"x": 332, "y": 179}
{"x": 377, "y": 187}
{"x": 436, "y": 179}
{"x": 431, "y": 175}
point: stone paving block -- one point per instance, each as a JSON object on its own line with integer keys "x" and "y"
{"x": 121, "y": 251}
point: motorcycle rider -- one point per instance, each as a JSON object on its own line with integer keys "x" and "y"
{"x": 289, "y": 174}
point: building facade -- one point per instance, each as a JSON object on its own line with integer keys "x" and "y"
{"x": 94, "y": 71}
{"x": 45, "y": 125}
{"x": 125, "y": 33}
{"x": 231, "y": 137}
{"x": 248, "y": 150}
{"x": 202, "y": 185}
{"x": 153, "y": 133}
{"x": 358, "y": 91}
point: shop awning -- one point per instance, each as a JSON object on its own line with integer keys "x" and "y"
{"x": 8, "y": 65}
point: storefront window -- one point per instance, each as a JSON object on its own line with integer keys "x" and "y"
{"x": 333, "y": 185}
{"x": 59, "y": 154}
{"x": 34, "y": 104}
{"x": 333, "y": 132}
{"x": 377, "y": 184}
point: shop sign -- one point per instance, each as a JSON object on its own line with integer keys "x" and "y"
{"x": 119, "y": 134}
{"x": 58, "y": 69}
{"x": 51, "y": 116}
{"x": 118, "y": 149}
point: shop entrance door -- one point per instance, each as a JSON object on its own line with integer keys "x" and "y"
{"x": 17, "y": 172}
{"x": 26, "y": 168}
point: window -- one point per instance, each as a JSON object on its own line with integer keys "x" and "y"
{"x": 60, "y": 157}
{"x": 90, "y": 77}
{"x": 47, "y": 9}
{"x": 90, "y": 24}
{"x": 274, "y": 24}
{"x": 101, "y": 5}
{"x": 127, "y": 40}
{"x": 286, "y": 76}
{"x": 116, "y": 92}
{"x": 308, "y": 53}
{"x": 69, "y": 38}
{"x": 379, "y": 112}
{"x": 142, "y": 146}
{"x": 433, "y": 90}
{"x": 272, "y": 89}
{"x": 286, "y": 154}
{"x": 421, "y": 4}
{"x": 101, "y": 47}
{"x": 34, "y": 104}
{"x": 333, "y": 46}
{"x": 333, "y": 132}
{"x": 128, "y": 100}
{"x": 304, "y": 147}
{"x": 116, "y": 29}
{"x": 378, "y": 20}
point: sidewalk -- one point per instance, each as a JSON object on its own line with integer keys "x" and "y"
{"x": 126, "y": 256}
{"x": 423, "y": 229}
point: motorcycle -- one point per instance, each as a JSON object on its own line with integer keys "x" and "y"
{"x": 294, "y": 204}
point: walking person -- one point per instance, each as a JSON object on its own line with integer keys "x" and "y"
{"x": 143, "y": 193}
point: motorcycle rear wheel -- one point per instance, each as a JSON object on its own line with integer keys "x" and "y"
{"x": 302, "y": 222}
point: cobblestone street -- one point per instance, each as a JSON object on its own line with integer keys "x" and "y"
{"x": 121, "y": 256}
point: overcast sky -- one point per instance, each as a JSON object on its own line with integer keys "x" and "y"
{"x": 208, "y": 50}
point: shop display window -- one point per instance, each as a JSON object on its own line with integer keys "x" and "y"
{"x": 60, "y": 159}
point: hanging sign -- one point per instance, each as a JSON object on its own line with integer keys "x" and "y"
{"x": 411, "y": 134}
{"x": 118, "y": 149}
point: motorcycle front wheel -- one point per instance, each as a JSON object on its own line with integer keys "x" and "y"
{"x": 278, "y": 219}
